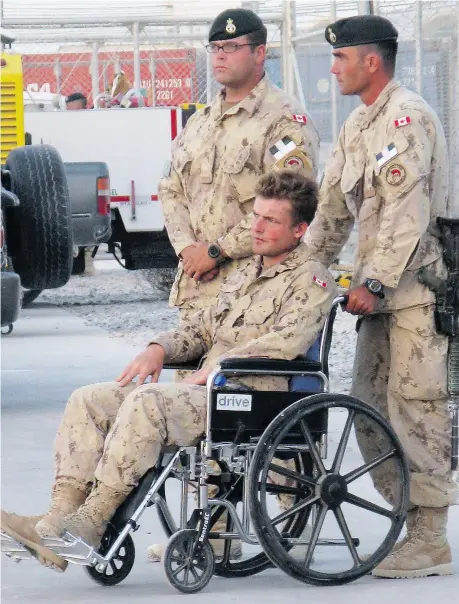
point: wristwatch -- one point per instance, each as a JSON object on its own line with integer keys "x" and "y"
{"x": 375, "y": 287}
{"x": 215, "y": 252}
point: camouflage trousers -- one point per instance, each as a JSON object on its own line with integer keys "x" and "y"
{"x": 400, "y": 370}
{"x": 116, "y": 434}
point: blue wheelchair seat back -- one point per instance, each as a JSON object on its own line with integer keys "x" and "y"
{"x": 310, "y": 383}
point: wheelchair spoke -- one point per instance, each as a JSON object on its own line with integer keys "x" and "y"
{"x": 187, "y": 574}
{"x": 368, "y": 505}
{"x": 177, "y": 559}
{"x": 278, "y": 489}
{"x": 343, "y": 443}
{"x": 113, "y": 566}
{"x": 312, "y": 447}
{"x": 347, "y": 535}
{"x": 315, "y": 535}
{"x": 358, "y": 472}
{"x": 178, "y": 569}
{"x": 301, "y": 478}
{"x": 194, "y": 573}
{"x": 294, "y": 509}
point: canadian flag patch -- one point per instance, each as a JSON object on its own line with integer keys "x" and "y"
{"x": 402, "y": 121}
{"x": 319, "y": 282}
{"x": 303, "y": 119}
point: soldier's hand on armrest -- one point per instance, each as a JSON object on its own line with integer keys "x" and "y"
{"x": 148, "y": 363}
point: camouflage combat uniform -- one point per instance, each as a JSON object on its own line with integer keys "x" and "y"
{"x": 116, "y": 434}
{"x": 389, "y": 174}
{"x": 217, "y": 160}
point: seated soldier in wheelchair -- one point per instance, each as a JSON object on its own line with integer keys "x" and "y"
{"x": 111, "y": 434}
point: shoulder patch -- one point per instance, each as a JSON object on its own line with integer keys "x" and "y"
{"x": 283, "y": 147}
{"x": 386, "y": 154}
{"x": 395, "y": 174}
{"x": 303, "y": 119}
{"x": 319, "y": 282}
{"x": 294, "y": 161}
{"x": 402, "y": 121}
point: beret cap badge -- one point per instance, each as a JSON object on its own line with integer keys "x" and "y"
{"x": 230, "y": 27}
{"x": 331, "y": 35}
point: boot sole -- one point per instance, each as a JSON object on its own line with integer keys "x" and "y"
{"x": 439, "y": 570}
{"x": 43, "y": 554}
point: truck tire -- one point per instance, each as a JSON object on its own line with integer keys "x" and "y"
{"x": 40, "y": 238}
{"x": 29, "y": 296}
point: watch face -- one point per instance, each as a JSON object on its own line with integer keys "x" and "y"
{"x": 214, "y": 251}
{"x": 374, "y": 286}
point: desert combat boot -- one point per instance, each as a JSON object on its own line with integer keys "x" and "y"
{"x": 425, "y": 553}
{"x": 22, "y": 530}
{"x": 65, "y": 500}
{"x": 91, "y": 519}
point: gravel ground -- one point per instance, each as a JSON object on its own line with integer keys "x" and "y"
{"x": 127, "y": 305}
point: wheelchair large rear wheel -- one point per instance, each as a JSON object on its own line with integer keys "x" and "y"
{"x": 348, "y": 523}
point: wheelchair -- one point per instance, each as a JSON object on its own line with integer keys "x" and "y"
{"x": 268, "y": 446}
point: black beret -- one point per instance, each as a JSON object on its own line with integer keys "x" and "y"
{"x": 363, "y": 29}
{"x": 233, "y": 23}
{"x": 75, "y": 96}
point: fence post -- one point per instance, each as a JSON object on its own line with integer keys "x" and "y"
{"x": 334, "y": 86}
{"x": 136, "y": 44}
{"x": 208, "y": 79}
{"x": 153, "y": 80}
{"x": 418, "y": 45}
{"x": 286, "y": 43}
{"x": 95, "y": 70}
{"x": 453, "y": 209}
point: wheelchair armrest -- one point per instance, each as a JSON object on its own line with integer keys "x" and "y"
{"x": 190, "y": 366}
{"x": 256, "y": 364}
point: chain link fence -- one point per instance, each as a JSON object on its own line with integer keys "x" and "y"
{"x": 427, "y": 62}
{"x": 163, "y": 56}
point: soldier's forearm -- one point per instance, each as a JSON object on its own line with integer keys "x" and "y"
{"x": 237, "y": 243}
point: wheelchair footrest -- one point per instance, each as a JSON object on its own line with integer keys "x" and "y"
{"x": 13, "y": 549}
{"x": 74, "y": 550}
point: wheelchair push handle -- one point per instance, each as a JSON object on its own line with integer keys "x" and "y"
{"x": 342, "y": 300}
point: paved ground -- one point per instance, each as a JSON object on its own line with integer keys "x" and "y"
{"x": 50, "y": 353}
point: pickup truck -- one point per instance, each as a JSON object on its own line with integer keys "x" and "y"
{"x": 48, "y": 209}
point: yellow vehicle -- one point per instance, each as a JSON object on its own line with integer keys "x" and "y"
{"x": 12, "y": 104}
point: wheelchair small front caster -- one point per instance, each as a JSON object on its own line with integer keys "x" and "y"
{"x": 187, "y": 573}
{"x": 119, "y": 566}
{"x": 7, "y": 330}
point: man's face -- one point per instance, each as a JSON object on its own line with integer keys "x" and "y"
{"x": 351, "y": 70}
{"x": 75, "y": 105}
{"x": 272, "y": 230}
{"x": 235, "y": 68}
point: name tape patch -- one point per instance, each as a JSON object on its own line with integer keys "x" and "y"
{"x": 234, "y": 402}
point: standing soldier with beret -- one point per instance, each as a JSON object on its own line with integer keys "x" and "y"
{"x": 207, "y": 193}
{"x": 389, "y": 173}
{"x": 251, "y": 127}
